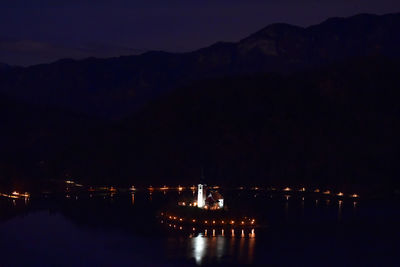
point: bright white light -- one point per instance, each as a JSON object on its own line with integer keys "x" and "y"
{"x": 200, "y": 196}
{"x": 199, "y": 248}
{"x": 221, "y": 203}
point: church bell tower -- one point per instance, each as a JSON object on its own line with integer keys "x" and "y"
{"x": 200, "y": 196}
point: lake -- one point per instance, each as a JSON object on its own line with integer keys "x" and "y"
{"x": 123, "y": 229}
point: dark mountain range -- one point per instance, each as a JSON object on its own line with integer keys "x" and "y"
{"x": 4, "y": 66}
{"x": 321, "y": 111}
{"x": 113, "y": 88}
{"x": 28, "y": 52}
{"x": 336, "y": 126}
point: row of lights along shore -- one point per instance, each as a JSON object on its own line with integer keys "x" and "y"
{"x": 243, "y": 222}
{"x": 193, "y": 187}
{"x": 286, "y": 189}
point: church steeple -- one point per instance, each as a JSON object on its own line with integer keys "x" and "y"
{"x": 201, "y": 191}
{"x": 202, "y": 177}
{"x": 201, "y": 196}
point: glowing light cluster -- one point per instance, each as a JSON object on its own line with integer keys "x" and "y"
{"x": 244, "y": 221}
{"x": 16, "y": 195}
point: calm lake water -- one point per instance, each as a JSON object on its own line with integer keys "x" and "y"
{"x": 123, "y": 230}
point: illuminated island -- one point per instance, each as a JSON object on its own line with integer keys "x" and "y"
{"x": 206, "y": 210}
{"x": 210, "y": 199}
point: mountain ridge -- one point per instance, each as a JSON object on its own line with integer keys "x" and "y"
{"x": 114, "y": 88}
{"x": 335, "y": 127}
{"x": 302, "y": 116}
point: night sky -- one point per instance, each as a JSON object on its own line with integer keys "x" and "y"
{"x": 40, "y": 31}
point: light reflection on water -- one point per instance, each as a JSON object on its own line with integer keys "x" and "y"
{"x": 296, "y": 222}
{"x": 218, "y": 247}
{"x": 133, "y": 198}
{"x": 340, "y": 207}
{"x": 199, "y": 246}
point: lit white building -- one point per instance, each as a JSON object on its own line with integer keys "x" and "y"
{"x": 201, "y": 196}
{"x": 221, "y": 203}
{"x": 214, "y": 200}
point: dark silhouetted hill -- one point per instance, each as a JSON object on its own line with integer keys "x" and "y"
{"x": 4, "y": 66}
{"x": 115, "y": 87}
{"x": 308, "y": 106}
{"x": 335, "y": 126}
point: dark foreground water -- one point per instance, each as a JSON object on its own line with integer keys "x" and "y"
{"x": 123, "y": 230}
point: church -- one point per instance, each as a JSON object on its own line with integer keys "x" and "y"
{"x": 209, "y": 200}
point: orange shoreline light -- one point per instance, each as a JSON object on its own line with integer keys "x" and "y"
{"x": 16, "y": 195}
{"x": 245, "y": 221}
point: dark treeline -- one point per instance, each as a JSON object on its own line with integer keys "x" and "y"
{"x": 331, "y": 120}
{"x": 334, "y": 126}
